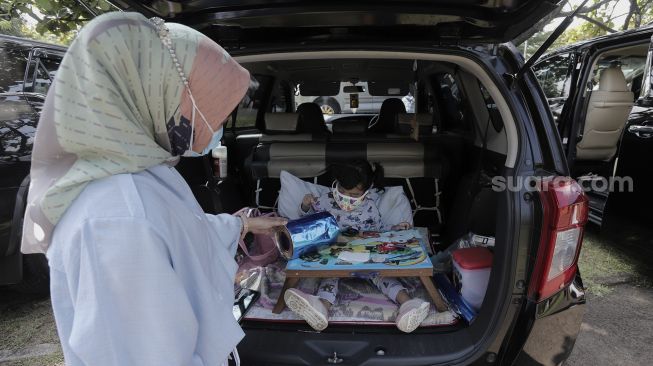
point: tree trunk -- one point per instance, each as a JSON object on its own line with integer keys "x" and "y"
{"x": 558, "y": 13}
{"x": 631, "y": 12}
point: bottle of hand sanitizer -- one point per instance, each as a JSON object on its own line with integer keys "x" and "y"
{"x": 220, "y": 163}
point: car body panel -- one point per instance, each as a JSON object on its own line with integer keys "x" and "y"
{"x": 22, "y": 93}
{"x": 255, "y": 21}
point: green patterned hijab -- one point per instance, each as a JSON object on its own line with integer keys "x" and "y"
{"x": 119, "y": 105}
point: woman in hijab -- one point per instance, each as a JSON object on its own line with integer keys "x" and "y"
{"x": 140, "y": 275}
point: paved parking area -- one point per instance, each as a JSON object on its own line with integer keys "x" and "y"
{"x": 615, "y": 331}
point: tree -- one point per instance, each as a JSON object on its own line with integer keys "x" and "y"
{"x": 599, "y": 17}
{"x": 57, "y": 20}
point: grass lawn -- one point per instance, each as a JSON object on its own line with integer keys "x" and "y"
{"x": 604, "y": 262}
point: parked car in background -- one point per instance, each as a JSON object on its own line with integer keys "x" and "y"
{"x": 601, "y": 95}
{"x": 369, "y": 101}
{"x": 27, "y": 69}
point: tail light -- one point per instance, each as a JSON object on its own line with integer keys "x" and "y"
{"x": 565, "y": 209}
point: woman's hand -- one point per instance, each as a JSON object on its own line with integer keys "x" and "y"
{"x": 402, "y": 226}
{"x": 263, "y": 225}
{"x": 308, "y": 202}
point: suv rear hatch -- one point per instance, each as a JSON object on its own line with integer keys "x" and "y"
{"x": 255, "y": 22}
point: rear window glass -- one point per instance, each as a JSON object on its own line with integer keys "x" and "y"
{"x": 368, "y": 101}
{"x": 552, "y": 75}
{"x": 12, "y": 69}
{"x": 450, "y": 102}
{"x": 250, "y": 104}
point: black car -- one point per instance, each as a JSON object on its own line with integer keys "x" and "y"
{"x": 600, "y": 92}
{"x": 480, "y": 132}
{"x": 26, "y": 71}
{"x": 481, "y": 127}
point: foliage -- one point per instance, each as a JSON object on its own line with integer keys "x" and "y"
{"x": 49, "y": 20}
{"x": 599, "y": 19}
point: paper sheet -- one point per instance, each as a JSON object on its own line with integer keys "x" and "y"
{"x": 358, "y": 257}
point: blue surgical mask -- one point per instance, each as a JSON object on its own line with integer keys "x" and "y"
{"x": 215, "y": 139}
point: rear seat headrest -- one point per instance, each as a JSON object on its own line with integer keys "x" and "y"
{"x": 280, "y": 123}
{"x": 390, "y": 108}
{"x": 310, "y": 119}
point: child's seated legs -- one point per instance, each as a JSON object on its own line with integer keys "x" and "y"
{"x": 412, "y": 312}
{"x": 314, "y": 309}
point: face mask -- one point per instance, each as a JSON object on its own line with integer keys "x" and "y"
{"x": 214, "y": 140}
{"x": 347, "y": 203}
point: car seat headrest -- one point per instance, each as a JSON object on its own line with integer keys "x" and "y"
{"x": 612, "y": 80}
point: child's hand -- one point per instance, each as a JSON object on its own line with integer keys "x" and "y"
{"x": 402, "y": 226}
{"x": 308, "y": 202}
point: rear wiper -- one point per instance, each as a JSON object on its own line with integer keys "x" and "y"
{"x": 549, "y": 41}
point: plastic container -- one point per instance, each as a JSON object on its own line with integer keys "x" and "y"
{"x": 472, "y": 273}
{"x": 220, "y": 164}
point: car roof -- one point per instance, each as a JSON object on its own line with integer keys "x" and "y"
{"x": 642, "y": 31}
{"x": 28, "y": 43}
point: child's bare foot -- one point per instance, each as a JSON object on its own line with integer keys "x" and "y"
{"x": 411, "y": 314}
{"x": 308, "y": 307}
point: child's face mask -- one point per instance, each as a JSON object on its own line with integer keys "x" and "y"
{"x": 346, "y": 203}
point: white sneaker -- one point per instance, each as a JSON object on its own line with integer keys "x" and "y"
{"x": 411, "y": 314}
{"x": 308, "y": 307}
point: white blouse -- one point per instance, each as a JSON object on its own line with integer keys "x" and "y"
{"x": 140, "y": 275}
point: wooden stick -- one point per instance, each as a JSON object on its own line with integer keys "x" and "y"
{"x": 281, "y": 303}
{"x": 439, "y": 303}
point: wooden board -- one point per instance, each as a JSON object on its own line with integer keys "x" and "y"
{"x": 410, "y": 244}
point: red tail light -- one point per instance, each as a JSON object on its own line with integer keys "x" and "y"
{"x": 565, "y": 214}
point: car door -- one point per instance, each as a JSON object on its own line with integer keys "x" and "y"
{"x": 631, "y": 201}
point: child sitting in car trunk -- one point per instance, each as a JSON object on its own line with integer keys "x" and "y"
{"x": 352, "y": 201}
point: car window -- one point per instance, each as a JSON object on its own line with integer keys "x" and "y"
{"x": 17, "y": 126}
{"x": 553, "y": 75}
{"x": 450, "y": 103}
{"x": 251, "y": 103}
{"x": 279, "y": 99}
{"x": 13, "y": 62}
{"x": 631, "y": 66}
{"x": 339, "y": 101}
{"x": 45, "y": 71}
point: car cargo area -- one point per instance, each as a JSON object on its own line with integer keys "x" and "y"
{"x": 444, "y": 163}
{"x": 434, "y": 128}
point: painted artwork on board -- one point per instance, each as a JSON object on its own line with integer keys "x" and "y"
{"x": 369, "y": 251}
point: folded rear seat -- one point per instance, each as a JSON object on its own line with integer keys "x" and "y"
{"x": 413, "y": 165}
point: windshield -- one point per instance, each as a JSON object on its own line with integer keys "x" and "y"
{"x": 355, "y": 98}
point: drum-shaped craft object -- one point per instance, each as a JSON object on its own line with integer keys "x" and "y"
{"x": 306, "y": 234}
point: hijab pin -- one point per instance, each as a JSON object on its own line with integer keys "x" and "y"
{"x": 160, "y": 26}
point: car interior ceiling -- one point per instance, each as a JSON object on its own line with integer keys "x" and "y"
{"x": 446, "y": 173}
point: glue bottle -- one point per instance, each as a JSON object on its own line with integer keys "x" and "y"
{"x": 220, "y": 161}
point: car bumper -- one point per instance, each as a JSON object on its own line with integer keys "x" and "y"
{"x": 555, "y": 328}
